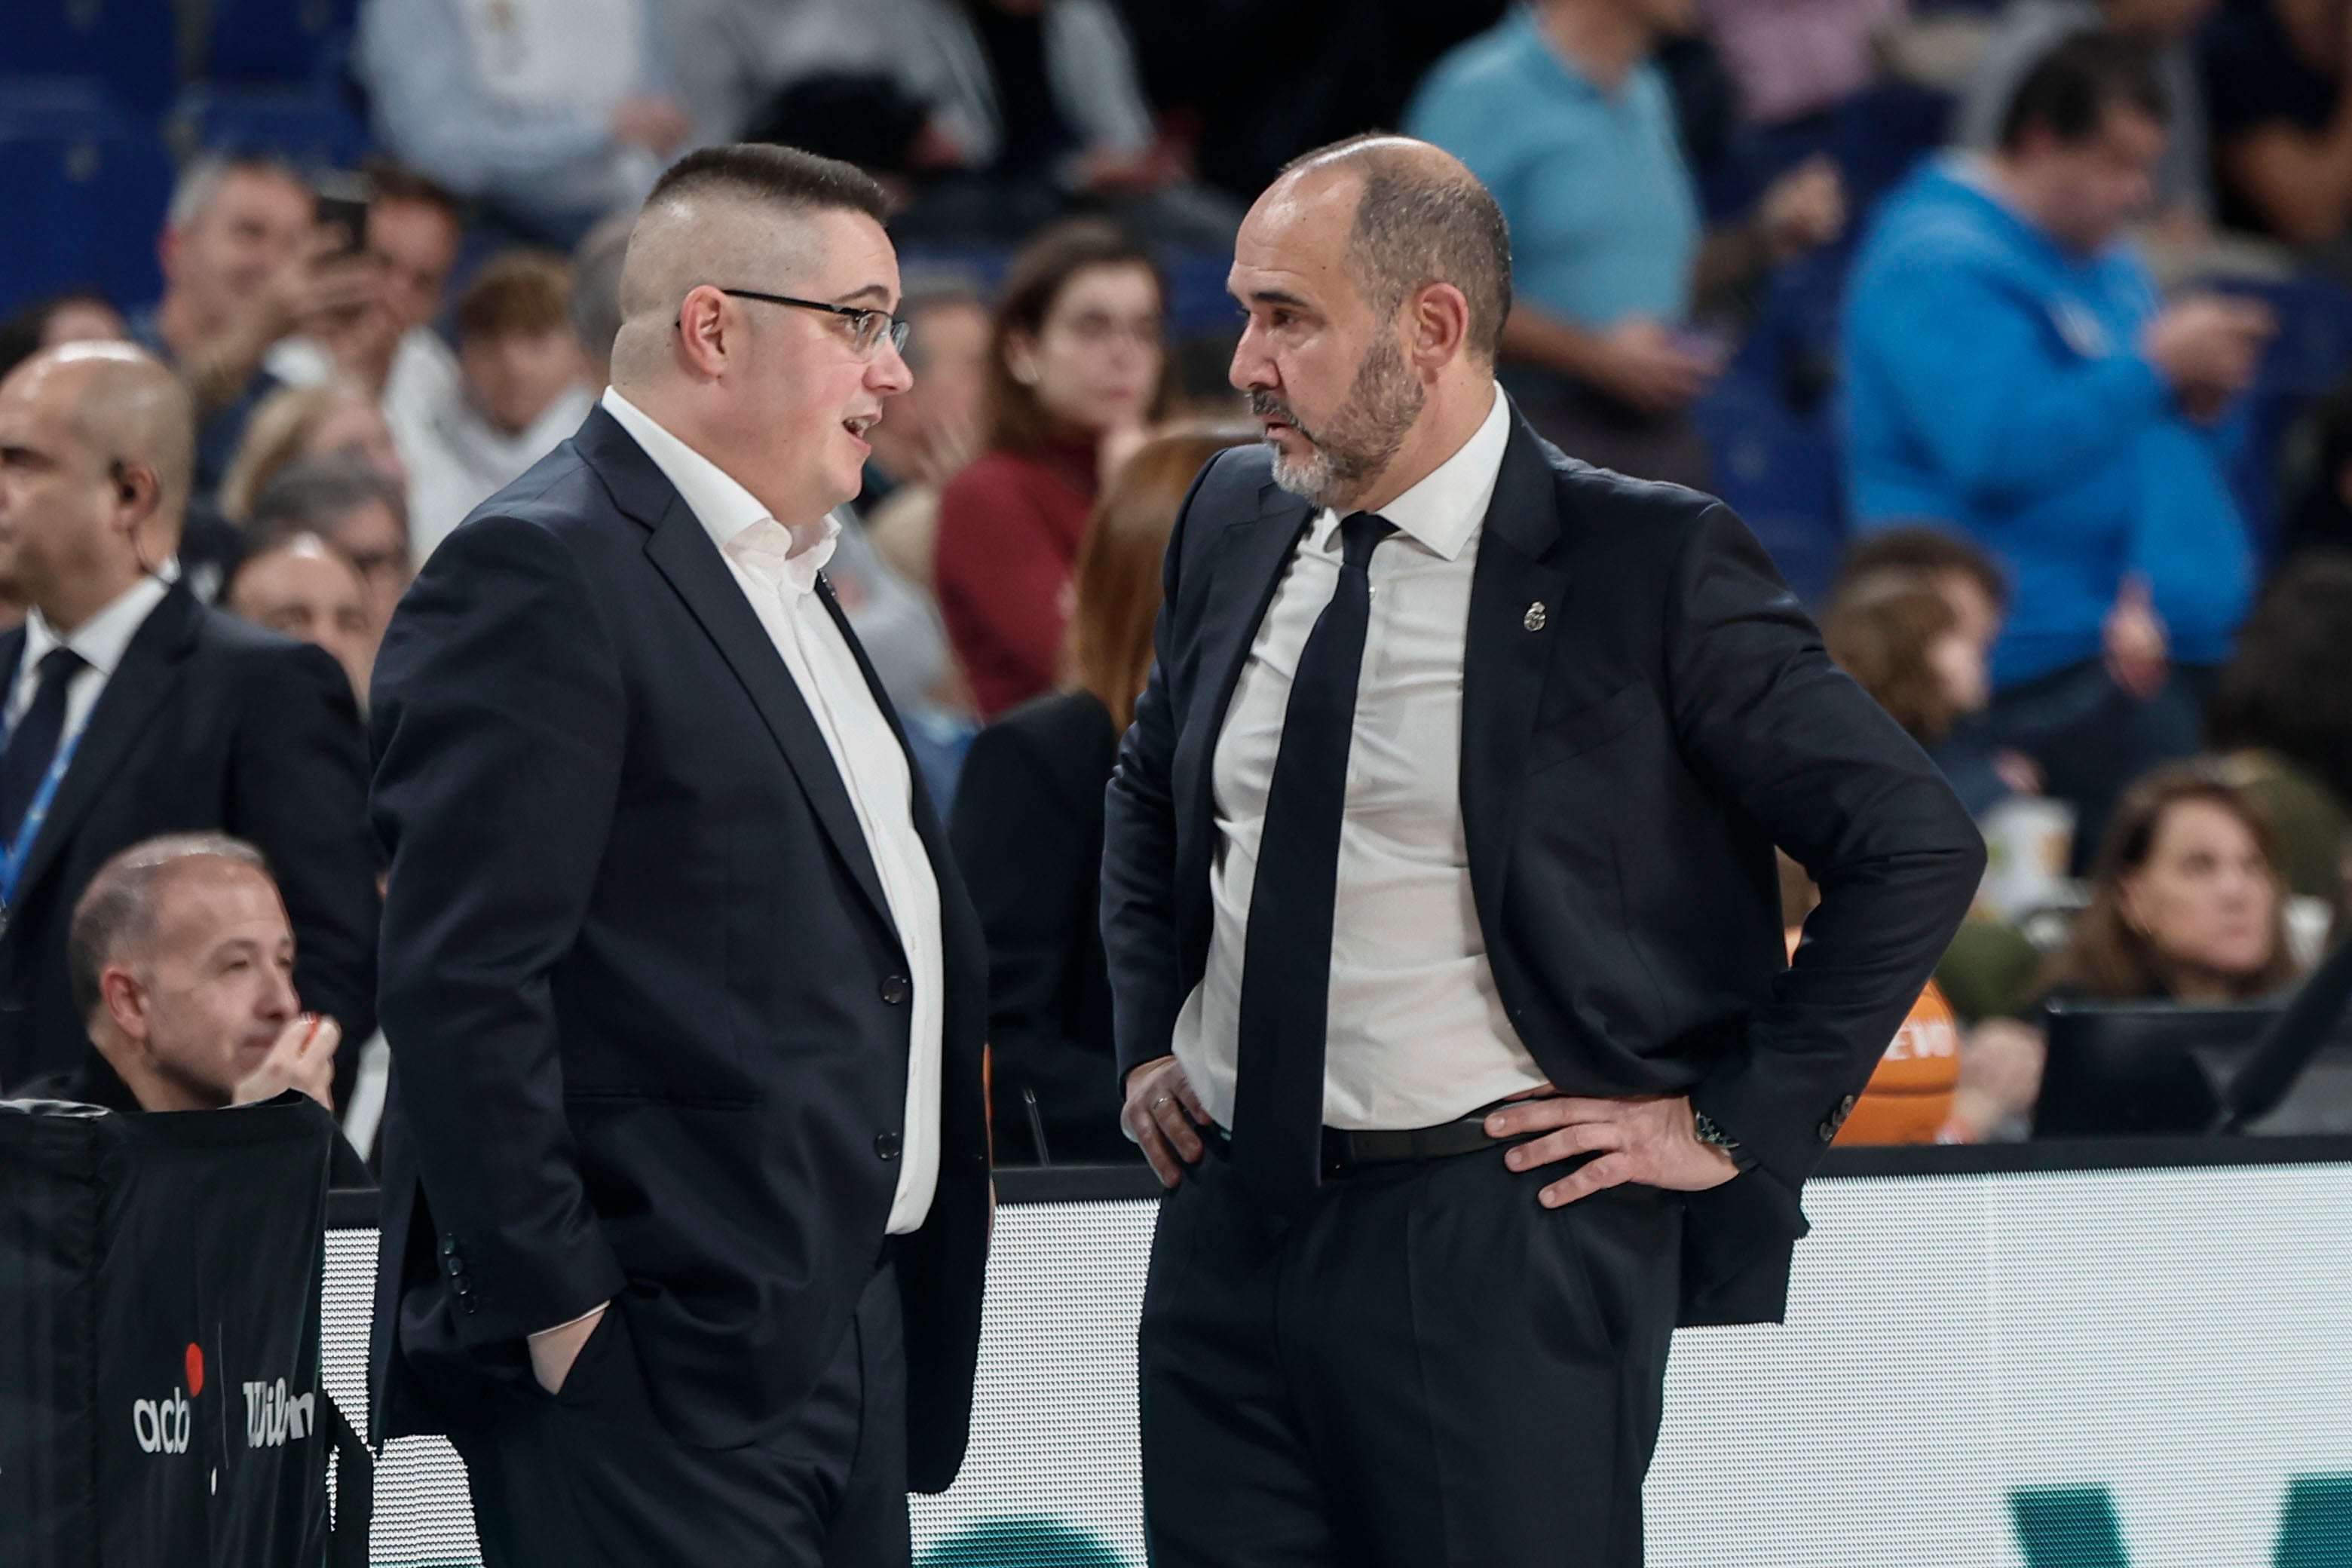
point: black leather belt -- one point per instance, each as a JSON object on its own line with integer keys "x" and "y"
{"x": 1345, "y": 1151}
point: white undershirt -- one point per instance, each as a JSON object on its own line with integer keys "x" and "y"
{"x": 777, "y": 569}
{"x": 1417, "y": 1033}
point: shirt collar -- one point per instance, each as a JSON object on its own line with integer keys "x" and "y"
{"x": 102, "y": 640}
{"x": 1448, "y": 505}
{"x": 727, "y": 512}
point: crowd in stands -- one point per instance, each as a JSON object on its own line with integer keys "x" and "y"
{"x": 2015, "y": 332}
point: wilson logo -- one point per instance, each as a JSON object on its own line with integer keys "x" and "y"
{"x": 273, "y": 1417}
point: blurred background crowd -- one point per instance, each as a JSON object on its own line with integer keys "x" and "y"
{"x": 2020, "y": 335}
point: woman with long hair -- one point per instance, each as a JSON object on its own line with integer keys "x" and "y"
{"x": 1075, "y": 372}
{"x": 2188, "y": 905}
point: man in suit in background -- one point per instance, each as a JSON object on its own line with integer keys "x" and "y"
{"x": 686, "y": 1166}
{"x": 1440, "y": 906}
{"x": 132, "y": 710}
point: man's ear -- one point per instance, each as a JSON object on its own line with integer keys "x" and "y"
{"x": 125, "y": 1001}
{"x": 1438, "y": 325}
{"x": 705, "y": 326}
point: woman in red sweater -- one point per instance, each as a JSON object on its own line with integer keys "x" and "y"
{"x": 1073, "y": 376}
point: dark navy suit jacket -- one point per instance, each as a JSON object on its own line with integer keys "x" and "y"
{"x": 648, "y": 1012}
{"x": 1646, "y": 713}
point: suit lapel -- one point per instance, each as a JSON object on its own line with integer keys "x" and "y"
{"x": 682, "y": 551}
{"x": 1506, "y": 652}
{"x": 149, "y": 670}
{"x": 1249, "y": 562}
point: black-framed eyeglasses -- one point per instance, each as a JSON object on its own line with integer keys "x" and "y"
{"x": 867, "y": 327}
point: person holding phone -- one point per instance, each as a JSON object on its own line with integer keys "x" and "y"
{"x": 246, "y": 262}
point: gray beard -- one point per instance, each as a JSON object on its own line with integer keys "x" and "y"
{"x": 1362, "y": 438}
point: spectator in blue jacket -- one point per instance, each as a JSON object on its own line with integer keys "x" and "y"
{"x": 2011, "y": 375}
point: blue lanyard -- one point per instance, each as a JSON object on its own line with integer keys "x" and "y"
{"x": 14, "y": 856}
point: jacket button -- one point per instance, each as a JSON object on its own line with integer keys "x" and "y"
{"x": 895, "y": 989}
{"x": 449, "y": 1247}
{"x": 1829, "y": 1131}
{"x": 1845, "y": 1106}
{"x": 886, "y": 1146}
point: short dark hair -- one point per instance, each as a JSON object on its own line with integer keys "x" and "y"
{"x": 2070, "y": 90}
{"x": 21, "y": 333}
{"x": 785, "y": 175}
{"x": 390, "y": 180}
{"x": 516, "y": 293}
{"x": 1420, "y": 221}
{"x": 117, "y": 908}
{"x": 1918, "y": 551}
{"x": 310, "y": 496}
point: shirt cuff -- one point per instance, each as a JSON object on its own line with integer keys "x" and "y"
{"x": 568, "y": 1322}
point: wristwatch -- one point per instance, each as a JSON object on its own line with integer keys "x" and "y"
{"x": 1703, "y": 1127}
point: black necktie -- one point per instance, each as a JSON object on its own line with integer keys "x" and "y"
{"x": 1277, "y": 1129}
{"x": 33, "y": 744}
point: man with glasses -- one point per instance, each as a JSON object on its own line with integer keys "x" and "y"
{"x": 686, "y": 1169}
{"x": 358, "y": 512}
{"x": 130, "y": 710}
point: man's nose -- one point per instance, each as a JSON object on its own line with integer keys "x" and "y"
{"x": 1253, "y": 367}
{"x": 279, "y": 1002}
{"x": 888, "y": 372}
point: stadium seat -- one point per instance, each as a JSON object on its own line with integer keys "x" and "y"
{"x": 98, "y": 181}
{"x": 291, "y": 42}
{"x": 309, "y": 127}
{"x": 1778, "y": 470}
{"x": 131, "y": 46}
{"x": 1882, "y": 133}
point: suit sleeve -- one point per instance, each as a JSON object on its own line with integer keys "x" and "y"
{"x": 499, "y": 723}
{"x": 1140, "y": 942}
{"x": 1802, "y": 750}
{"x": 300, "y": 797}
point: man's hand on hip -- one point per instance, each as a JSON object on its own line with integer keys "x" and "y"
{"x": 553, "y": 1350}
{"x": 1163, "y": 1118}
{"x": 1654, "y": 1142}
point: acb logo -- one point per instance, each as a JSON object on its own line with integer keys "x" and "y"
{"x": 165, "y": 1426}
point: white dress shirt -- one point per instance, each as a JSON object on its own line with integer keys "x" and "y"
{"x": 99, "y": 640}
{"x": 777, "y": 568}
{"x": 1417, "y": 1033}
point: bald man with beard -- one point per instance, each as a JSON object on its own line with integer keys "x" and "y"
{"x": 130, "y": 710}
{"x": 1443, "y": 929}
{"x": 686, "y": 1163}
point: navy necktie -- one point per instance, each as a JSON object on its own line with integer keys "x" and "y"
{"x": 1278, "y": 1133}
{"x": 33, "y": 745}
